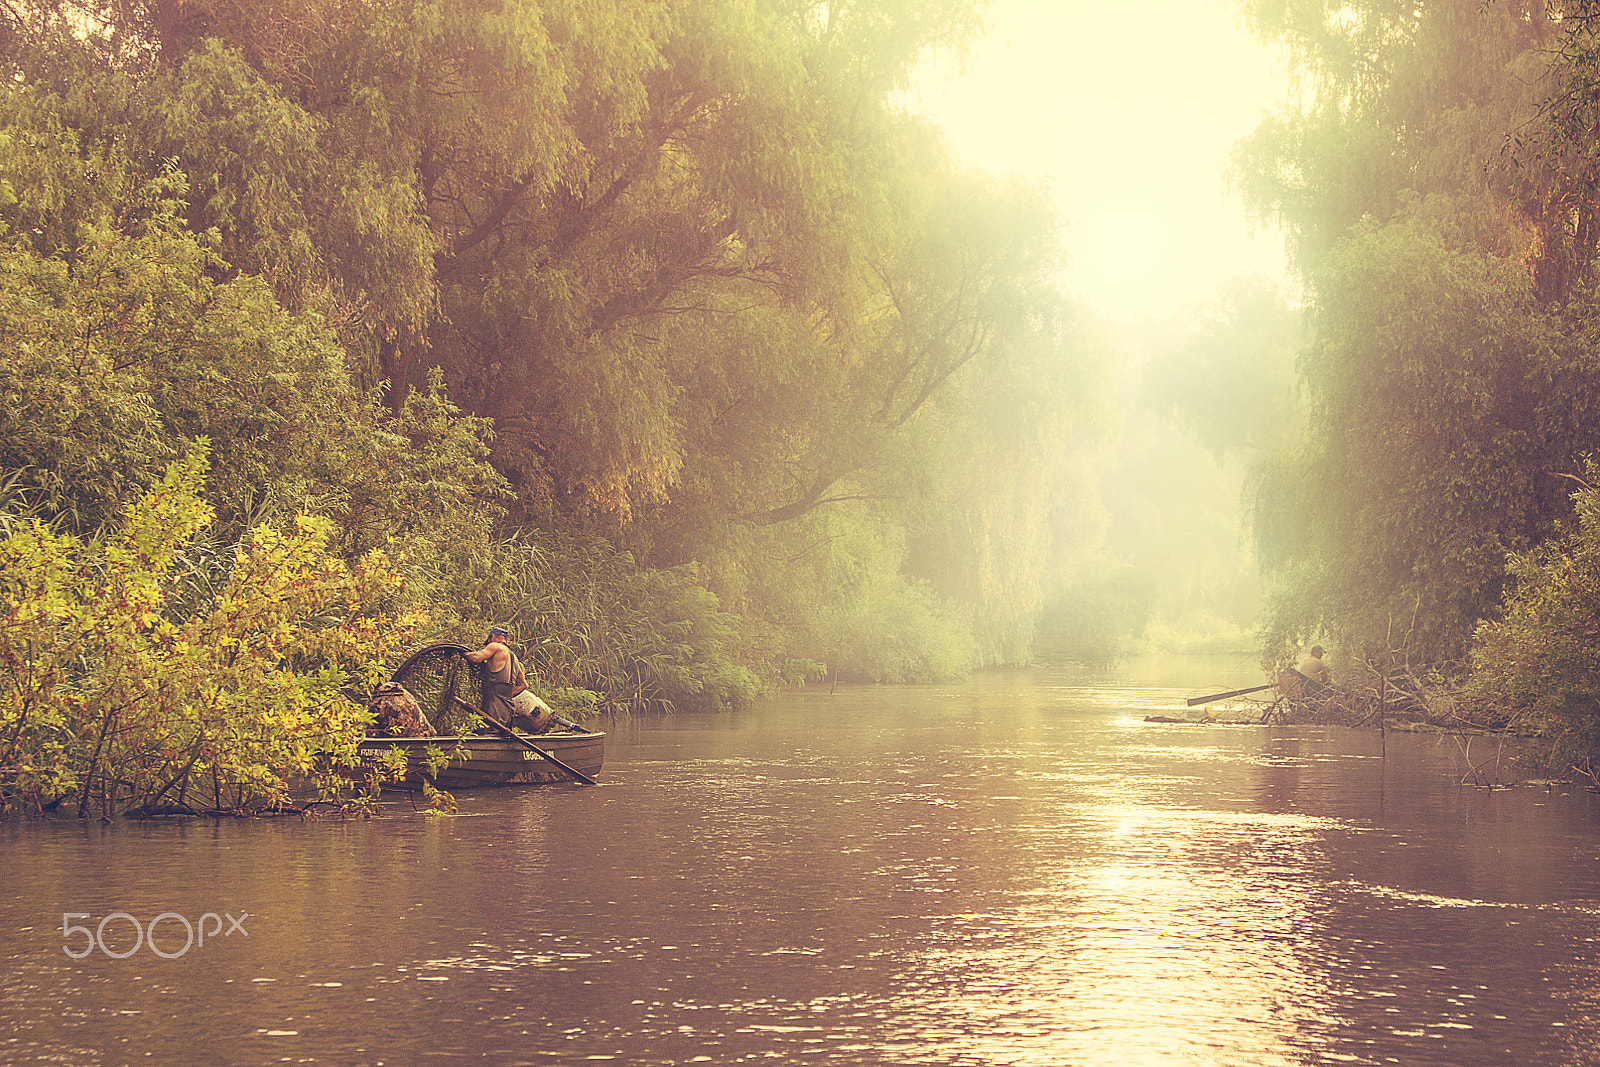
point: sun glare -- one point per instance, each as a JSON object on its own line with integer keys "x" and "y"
{"x": 1131, "y": 130}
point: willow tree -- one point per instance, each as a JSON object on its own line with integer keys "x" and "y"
{"x": 128, "y": 334}
{"x": 942, "y": 399}
{"x": 1441, "y": 387}
{"x": 516, "y": 191}
{"x": 1016, "y": 393}
{"x": 1227, "y": 386}
{"x": 687, "y": 258}
{"x": 1441, "y": 393}
{"x": 738, "y": 179}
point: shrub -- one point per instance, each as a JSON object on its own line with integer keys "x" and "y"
{"x": 109, "y": 694}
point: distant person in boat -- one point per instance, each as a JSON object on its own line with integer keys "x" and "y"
{"x": 1315, "y": 671}
{"x": 506, "y": 693}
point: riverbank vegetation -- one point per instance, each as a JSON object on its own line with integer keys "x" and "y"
{"x": 140, "y": 674}
{"x": 1433, "y": 521}
{"x": 660, "y": 333}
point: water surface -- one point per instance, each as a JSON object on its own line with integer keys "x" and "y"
{"x": 1018, "y": 870}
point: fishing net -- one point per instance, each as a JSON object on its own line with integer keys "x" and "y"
{"x": 448, "y": 688}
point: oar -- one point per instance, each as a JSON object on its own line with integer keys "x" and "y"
{"x": 1230, "y": 693}
{"x": 531, "y": 747}
{"x": 518, "y": 738}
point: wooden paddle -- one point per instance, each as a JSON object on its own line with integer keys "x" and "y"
{"x": 1230, "y": 693}
{"x": 524, "y": 742}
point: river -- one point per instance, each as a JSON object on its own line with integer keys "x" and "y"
{"x": 1018, "y": 870}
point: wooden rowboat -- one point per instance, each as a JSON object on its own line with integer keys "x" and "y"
{"x": 448, "y": 689}
{"x": 489, "y": 761}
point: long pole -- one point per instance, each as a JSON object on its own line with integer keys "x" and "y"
{"x": 1230, "y": 693}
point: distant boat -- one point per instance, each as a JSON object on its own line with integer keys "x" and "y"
{"x": 485, "y": 760}
{"x": 448, "y": 689}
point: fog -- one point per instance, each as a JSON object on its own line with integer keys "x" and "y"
{"x": 1131, "y": 126}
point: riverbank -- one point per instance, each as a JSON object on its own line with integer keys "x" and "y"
{"x": 1524, "y": 753}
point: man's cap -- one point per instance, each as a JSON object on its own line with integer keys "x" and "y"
{"x": 499, "y": 630}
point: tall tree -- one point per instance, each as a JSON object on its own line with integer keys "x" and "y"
{"x": 687, "y": 258}
{"x": 1439, "y": 383}
{"x": 1218, "y": 394}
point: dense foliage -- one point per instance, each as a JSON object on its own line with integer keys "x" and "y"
{"x": 1448, "y": 375}
{"x": 1539, "y": 665}
{"x": 1438, "y": 189}
{"x": 658, "y": 331}
{"x": 129, "y": 681}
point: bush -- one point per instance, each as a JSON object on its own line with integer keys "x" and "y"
{"x": 585, "y": 617}
{"x": 899, "y": 632}
{"x": 1539, "y": 664}
{"x": 114, "y": 695}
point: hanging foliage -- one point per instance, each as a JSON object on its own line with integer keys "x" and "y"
{"x": 1445, "y": 379}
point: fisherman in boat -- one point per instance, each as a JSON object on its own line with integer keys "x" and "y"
{"x": 1307, "y": 679}
{"x": 1315, "y": 671}
{"x": 506, "y": 693}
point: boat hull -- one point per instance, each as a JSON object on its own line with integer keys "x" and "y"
{"x": 480, "y": 762}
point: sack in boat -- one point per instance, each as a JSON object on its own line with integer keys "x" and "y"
{"x": 530, "y": 713}
{"x": 396, "y": 713}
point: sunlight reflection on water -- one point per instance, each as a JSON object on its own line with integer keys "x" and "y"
{"x": 1155, "y": 952}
